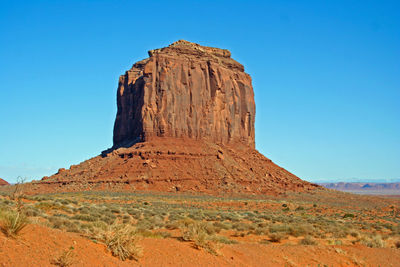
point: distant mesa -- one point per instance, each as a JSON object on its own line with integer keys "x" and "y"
{"x": 3, "y": 182}
{"x": 185, "y": 123}
{"x": 365, "y": 188}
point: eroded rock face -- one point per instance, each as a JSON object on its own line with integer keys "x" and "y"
{"x": 185, "y": 90}
{"x": 192, "y": 107}
{"x": 3, "y": 182}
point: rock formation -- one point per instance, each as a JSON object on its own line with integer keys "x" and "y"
{"x": 185, "y": 122}
{"x": 3, "y": 182}
{"x": 185, "y": 90}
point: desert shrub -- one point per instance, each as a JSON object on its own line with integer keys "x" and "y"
{"x": 122, "y": 241}
{"x": 100, "y": 225}
{"x": 73, "y": 227}
{"x": 56, "y": 222}
{"x": 335, "y": 242}
{"x": 279, "y": 228}
{"x": 233, "y": 217}
{"x": 84, "y": 210}
{"x": 211, "y": 215}
{"x": 355, "y": 234}
{"x": 373, "y": 242}
{"x": 31, "y": 212}
{"x": 173, "y": 225}
{"x": 175, "y": 217}
{"x": 108, "y": 218}
{"x": 397, "y": 244}
{"x": 301, "y": 230}
{"x": 12, "y": 222}
{"x": 240, "y": 226}
{"x": 276, "y": 237}
{"x": 308, "y": 240}
{"x": 150, "y": 223}
{"x": 222, "y": 225}
{"x": 134, "y": 213}
{"x": 348, "y": 215}
{"x": 211, "y": 229}
{"x": 65, "y": 259}
{"x": 50, "y": 205}
{"x": 84, "y": 217}
{"x": 197, "y": 233}
{"x": 299, "y": 208}
{"x": 197, "y": 216}
{"x": 223, "y": 239}
{"x": 150, "y": 234}
{"x": 115, "y": 210}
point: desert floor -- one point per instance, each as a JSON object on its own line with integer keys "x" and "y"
{"x": 322, "y": 228}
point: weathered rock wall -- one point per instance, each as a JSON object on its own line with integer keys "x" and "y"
{"x": 185, "y": 90}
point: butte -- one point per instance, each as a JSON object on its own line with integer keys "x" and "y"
{"x": 185, "y": 122}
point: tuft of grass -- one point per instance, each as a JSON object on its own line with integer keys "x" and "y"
{"x": 373, "y": 242}
{"x": 308, "y": 240}
{"x": 276, "y": 237}
{"x": 122, "y": 241}
{"x": 12, "y": 222}
{"x": 199, "y": 234}
{"x": 65, "y": 259}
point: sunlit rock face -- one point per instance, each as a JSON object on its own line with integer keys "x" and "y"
{"x": 185, "y": 90}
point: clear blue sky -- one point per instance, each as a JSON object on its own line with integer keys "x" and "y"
{"x": 326, "y": 76}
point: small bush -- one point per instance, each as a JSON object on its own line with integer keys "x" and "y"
{"x": 308, "y": 240}
{"x": 12, "y": 222}
{"x": 122, "y": 240}
{"x": 276, "y": 237}
{"x": 373, "y": 242}
{"x": 84, "y": 217}
{"x": 223, "y": 240}
{"x": 65, "y": 259}
{"x": 197, "y": 232}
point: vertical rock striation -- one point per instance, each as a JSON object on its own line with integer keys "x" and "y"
{"x": 185, "y": 90}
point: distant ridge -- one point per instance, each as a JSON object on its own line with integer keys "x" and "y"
{"x": 365, "y": 188}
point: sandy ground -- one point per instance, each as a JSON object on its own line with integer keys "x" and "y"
{"x": 38, "y": 246}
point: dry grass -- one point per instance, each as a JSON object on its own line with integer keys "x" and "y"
{"x": 122, "y": 241}
{"x": 308, "y": 240}
{"x": 12, "y": 222}
{"x": 276, "y": 237}
{"x": 65, "y": 259}
{"x": 375, "y": 241}
{"x": 202, "y": 237}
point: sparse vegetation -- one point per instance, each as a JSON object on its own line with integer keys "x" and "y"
{"x": 65, "y": 259}
{"x": 122, "y": 240}
{"x": 120, "y": 220}
{"x": 12, "y": 222}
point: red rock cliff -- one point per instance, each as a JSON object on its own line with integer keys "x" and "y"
{"x": 185, "y": 90}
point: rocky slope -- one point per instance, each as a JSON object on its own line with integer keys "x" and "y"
{"x": 3, "y": 182}
{"x": 173, "y": 164}
{"x": 185, "y": 122}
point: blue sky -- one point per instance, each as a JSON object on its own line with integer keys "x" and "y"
{"x": 326, "y": 76}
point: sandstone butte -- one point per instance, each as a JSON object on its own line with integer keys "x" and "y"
{"x": 185, "y": 122}
{"x": 3, "y": 182}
